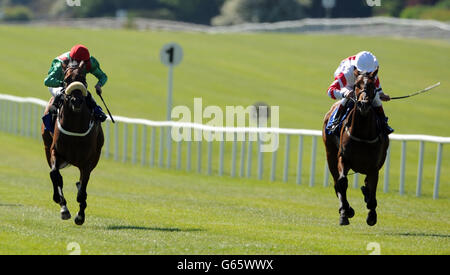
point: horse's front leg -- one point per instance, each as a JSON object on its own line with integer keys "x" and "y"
{"x": 345, "y": 211}
{"x": 57, "y": 181}
{"x": 82, "y": 195}
{"x": 370, "y": 191}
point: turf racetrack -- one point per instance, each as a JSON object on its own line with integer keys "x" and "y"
{"x": 135, "y": 210}
{"x": 138, "y": 210}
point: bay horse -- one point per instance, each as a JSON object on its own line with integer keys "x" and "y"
{"x": 77, "y": 140}
{"x": 361, "y": 146}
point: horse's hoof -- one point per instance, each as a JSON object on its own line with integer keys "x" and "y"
{"x": 65, "y": 214}
{"x": 79, "y": 220}
{"x": 350, "y": 213}
{"x": 343, "y": 221}
{"x": 371, "y": 218}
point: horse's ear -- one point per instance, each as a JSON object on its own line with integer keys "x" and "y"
{"x": 374, "y": 74}
{"x": 81, "y": 65}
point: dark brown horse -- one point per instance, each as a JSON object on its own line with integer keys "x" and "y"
{"x": 77, "y": 140}
{"x": 361, "y": 147}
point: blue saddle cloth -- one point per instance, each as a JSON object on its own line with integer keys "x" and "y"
{"x": 349, "y": 107}
{"x": 48, "y": 123}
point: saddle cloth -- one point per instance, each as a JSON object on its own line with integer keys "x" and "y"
{"x": 337, "y": 132}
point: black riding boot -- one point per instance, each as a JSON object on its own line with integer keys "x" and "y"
{"x": 99, "y": 115}
{"x": 387, "y": 130}
{"x": 57, "y": 100}
{"x": 337, "y": 119}
{"x": 50, "y": 118}
{"x": 56, "y": 105}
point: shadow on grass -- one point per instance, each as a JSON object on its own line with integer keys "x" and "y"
{"x": 418, "y": 234}
{"x": 163, "y": 229}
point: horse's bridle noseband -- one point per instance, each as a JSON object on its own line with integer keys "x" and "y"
{"x": 347, "y": 131}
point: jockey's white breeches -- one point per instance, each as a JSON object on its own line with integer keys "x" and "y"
{"x": 55, "y": 91}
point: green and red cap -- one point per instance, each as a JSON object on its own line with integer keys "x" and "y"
{"x": 81, "y": 53}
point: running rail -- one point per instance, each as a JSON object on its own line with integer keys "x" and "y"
{"x": 21, "y": 116}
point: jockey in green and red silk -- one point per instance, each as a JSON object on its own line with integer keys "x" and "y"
{"x": 343, "y": 85}
{"x": 55, "y": 78}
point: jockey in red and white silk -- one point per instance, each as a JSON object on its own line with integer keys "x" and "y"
{"x": 344, "y": 80}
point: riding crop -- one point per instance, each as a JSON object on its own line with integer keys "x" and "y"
{"x": 419, "y": 92}
{"x": 112, "y": 119}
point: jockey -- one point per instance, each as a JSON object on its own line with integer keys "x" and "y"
{"x": 344, "y": 79}
{"x": 55, "y": 78}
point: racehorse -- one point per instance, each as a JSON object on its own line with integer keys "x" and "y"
{"x": 361, "y": 146}
{"x": 77, "y": 140}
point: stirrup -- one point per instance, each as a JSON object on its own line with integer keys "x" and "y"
{"x": 337, "y": 121}
{"x": 333, "y": 127}
{"x": 99, "y": 115}
{"x": 387, "y": 129}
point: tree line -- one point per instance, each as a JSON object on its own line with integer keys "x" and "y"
{"x": 222, "y": 12}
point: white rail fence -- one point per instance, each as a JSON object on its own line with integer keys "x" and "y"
{"x": 22, "y": 116}
{"x": 370, "y": 26}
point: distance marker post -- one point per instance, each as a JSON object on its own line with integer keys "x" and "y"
{"x": 171, "y": 55}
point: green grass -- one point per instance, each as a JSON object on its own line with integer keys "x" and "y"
{"x": 291, "y": 71}
{"x": 140, "y": 211}
{"x": 137, "y": 210}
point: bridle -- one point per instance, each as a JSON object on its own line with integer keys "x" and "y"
{"x": 73, "y": 65}
{"x": 355, "y": 101}
{"x": 67, "y": 98}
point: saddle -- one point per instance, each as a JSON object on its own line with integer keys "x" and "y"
{"x": 331, "y": 121}
{"x": 337, "y": 132}
{"x": 50, "y": 118}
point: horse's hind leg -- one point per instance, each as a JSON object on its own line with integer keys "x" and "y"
{"x": 369, "y": 191}
{"x": 82, "y": 196}
{"x": 58, "y": 195}
{"x": 345, "y": 211}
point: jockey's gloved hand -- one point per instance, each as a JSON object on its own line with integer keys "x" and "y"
{"x": 384, "y": 97}
{"x": 98, "y": 88}
{"x": 346, "y": 93}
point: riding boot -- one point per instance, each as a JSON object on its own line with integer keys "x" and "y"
{"x": 50, "y": 118}
{"x": 57, "y": 100}
{"x": 337, "y": 118}
{"x": 387, "y": 130}
{"x": 99, "y": 115}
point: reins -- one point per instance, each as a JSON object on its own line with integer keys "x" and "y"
{"x": 74, "y": 134}
{"x": 361, "y": 140}
{"x": 347, "y": 130}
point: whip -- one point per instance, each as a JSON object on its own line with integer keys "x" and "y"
{"x": 112, "y": 119}
{"x": 419, "y": 92}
